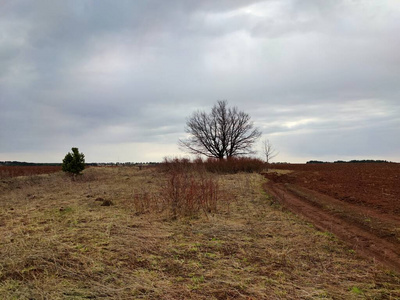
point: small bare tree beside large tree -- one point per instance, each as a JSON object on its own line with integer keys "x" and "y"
{"x": 269, "y": 152}
{"x": 223, "y": 133}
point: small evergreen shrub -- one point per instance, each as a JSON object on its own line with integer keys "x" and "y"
{"x": 74, "y": 162}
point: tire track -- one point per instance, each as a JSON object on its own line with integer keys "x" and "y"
{"x": 364, "y": 242}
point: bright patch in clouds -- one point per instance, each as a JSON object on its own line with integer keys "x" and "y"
{"x": 294, "y": 124}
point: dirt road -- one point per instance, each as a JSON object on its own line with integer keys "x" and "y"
{"x": 359, "y": 238}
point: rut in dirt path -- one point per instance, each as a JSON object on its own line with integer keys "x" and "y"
{"x": 364, "y": 242}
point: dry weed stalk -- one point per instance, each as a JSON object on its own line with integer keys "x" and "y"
{"x": 145, "y": 201}
{"x": 187, "y": 193}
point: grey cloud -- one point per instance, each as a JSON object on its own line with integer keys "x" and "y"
{"x": 99, "y": 72}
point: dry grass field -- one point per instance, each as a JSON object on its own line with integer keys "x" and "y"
{"x": 112, "y": 234}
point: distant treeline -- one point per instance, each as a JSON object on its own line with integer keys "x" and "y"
{"x": 350, "y": 161}
{"x": 23, "y": 163}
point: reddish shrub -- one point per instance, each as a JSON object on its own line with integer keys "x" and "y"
{"x": 176, "y": 164}
{"x": 234, "y": 165}
{"x": 214, "y": 165}
{"x": 188, "y": 193}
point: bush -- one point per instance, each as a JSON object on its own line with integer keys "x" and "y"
{"x": 234, "y": 165}
{"x": 188, "y": 193}
{"x": 74, "y": 162}
{"x": 176, "y": 164}
{"x": 214, "y": 165}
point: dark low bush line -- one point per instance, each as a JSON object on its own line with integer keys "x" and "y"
{"x": 231, "y": 165}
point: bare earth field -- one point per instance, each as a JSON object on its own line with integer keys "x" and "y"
{"x": 60, "y": 240}
{"x": 14, "y": 171}
{"x": 358, "y": 202}
{"x": 371, "y": 185}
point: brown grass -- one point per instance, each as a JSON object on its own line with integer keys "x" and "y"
{"x": 58, "y": 242}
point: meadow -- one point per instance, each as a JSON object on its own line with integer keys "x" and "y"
{"x": 170, "y": 232}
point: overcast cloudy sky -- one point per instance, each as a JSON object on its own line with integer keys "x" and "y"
{"x": 321, "y": 79}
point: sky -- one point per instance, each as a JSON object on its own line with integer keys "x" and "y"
{"x": 118, "y": 79}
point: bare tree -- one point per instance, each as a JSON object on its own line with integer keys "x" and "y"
{"x": 269, "y": 151}
{"x": 224, "y": 132}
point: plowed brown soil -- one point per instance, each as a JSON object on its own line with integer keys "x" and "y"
{"x": 14, "y": 171}
{"x": 374, "y": 185}
{"x": 360, "y": 203}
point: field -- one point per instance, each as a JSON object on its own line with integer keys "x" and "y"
{"x": 363, "y": 197}
{"x": 113, "y": 234}
{"x": 14, "y": 171}
{"x": 376, "y": 186}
